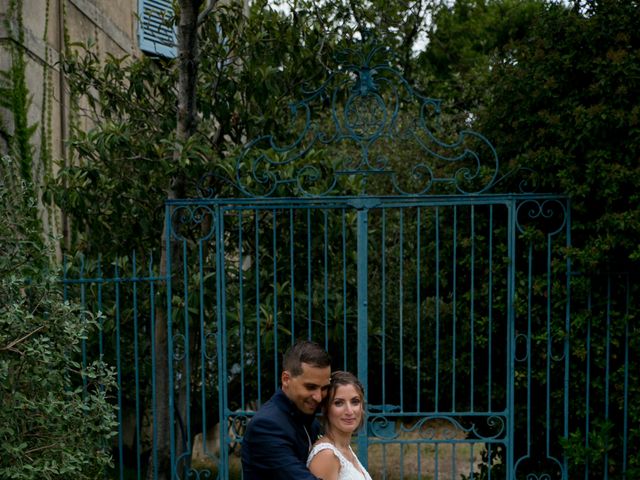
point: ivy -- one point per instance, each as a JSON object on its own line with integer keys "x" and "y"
{"x": 15, "y": 94}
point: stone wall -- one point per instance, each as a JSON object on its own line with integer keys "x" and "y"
{"x": 111, "y": 25}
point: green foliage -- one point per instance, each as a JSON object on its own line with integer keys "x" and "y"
{"x": 115, "y": 190}
{"x": 600, "y": 445}
{"x": 563, "y": 102}
{"x": 16, "y": 101}
{"x": 55, "y": 416}
{"x": 465, "y": 37}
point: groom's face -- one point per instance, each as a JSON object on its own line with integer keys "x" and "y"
{"x": 308, "y": 389}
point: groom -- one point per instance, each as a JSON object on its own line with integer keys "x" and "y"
{"x": 280, "y": 435}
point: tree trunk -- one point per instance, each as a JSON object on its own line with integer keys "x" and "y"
{"x": 187, "y": 64}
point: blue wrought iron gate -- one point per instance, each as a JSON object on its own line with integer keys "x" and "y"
{"x": 364, "y": 232}
{"x": 416, "y": 295}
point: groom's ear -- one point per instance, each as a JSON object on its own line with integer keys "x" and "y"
{"x": 286, "y": 376}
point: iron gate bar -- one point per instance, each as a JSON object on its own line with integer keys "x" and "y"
{"x": 222, "y": 366}
{"x": 510, "y": 347}
{"x": 363, "y": 319}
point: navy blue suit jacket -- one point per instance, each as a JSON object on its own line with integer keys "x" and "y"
{"x": 277, "y": 441}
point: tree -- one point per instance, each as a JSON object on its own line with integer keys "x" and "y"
{"x": 189, "y": 19}
{"x": 465, "y": 38}
{"x": 563, "y": 102}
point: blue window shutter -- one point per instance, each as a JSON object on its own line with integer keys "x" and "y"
{"x": 155, "y": 34}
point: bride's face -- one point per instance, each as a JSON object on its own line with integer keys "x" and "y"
{"x": 344, "y": 414}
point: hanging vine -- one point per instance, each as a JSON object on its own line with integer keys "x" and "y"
{"x": 47, "y": 99}
{"x": 15, "y": 95}
{"x": 15, "y": 98}
{"x": 45, "y": 164}
{"x": 30, "y": 146}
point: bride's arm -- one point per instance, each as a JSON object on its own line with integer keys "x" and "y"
{"x": 325, "y": 465}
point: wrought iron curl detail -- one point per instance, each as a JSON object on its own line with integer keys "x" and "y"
{"x": 430, "y": 428}
{"x": 419, "y": 172}
{"x": 179, "y": 349}
{"x": 542, "y": 210}
{"x": 456, "y": 427}
{"x": 553, "y": 463}
{"x": 560, "y": 357}
{"x": 189, "y": 471}
{"x": 366, "y": 109}
{"x": 521, "y": 338}
{"x": 496, "y": 420}
{"x": 431, "y": 432}
{"x": 192, "y": 223}
{"x": 381, "y": 427}
{"x": 205, "y": 343}
{"x": 237, "y": 426}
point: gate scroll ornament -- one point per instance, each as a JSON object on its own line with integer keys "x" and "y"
{"x": 379, "y": 127}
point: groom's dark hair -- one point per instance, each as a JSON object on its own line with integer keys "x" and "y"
{"x": 305, "y": 351}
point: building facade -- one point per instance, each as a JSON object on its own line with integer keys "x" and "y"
{"x": 34, "y": 34}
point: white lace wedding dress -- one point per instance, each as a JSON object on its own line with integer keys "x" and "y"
{"x": 348, "y": 471}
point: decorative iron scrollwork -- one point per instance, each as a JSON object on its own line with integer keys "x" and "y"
{"x": 547, "y": 216}
{"x": 439, "y": 428}
{"x": 192, "y": 223}
{"x": 365, "y": 130}
{"x": 539, "y": 468}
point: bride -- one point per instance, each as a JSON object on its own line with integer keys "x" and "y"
{"x": 331, "y": 458}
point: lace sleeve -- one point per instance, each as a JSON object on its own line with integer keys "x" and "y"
{"x": 318, "y": 447}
